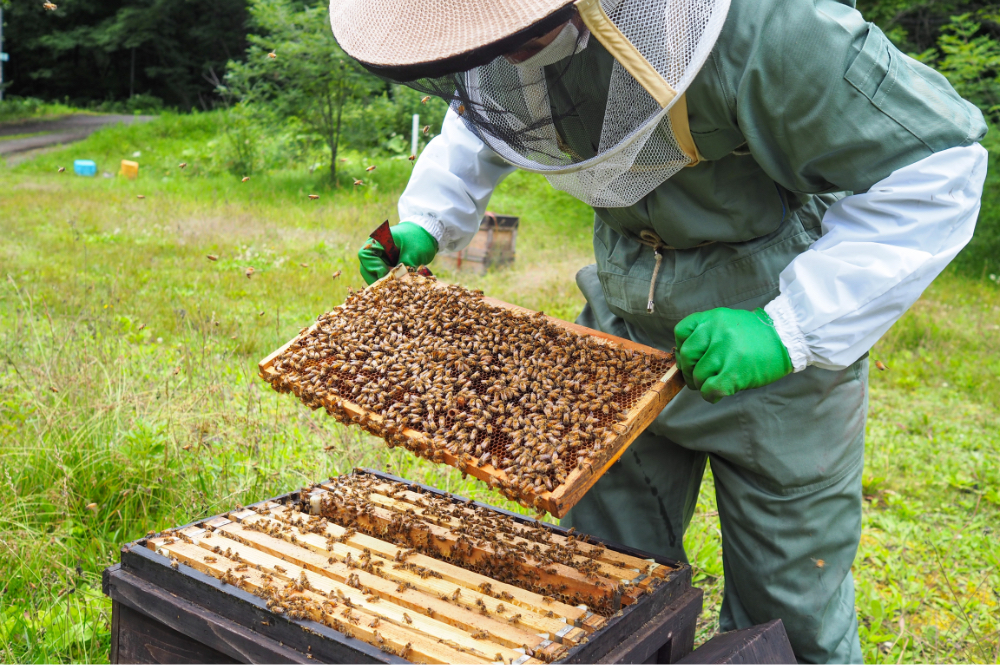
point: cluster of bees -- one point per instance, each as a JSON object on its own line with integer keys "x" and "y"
{"x": 484, "y": 385}
{"x": 481, "y": 540}
{"x": 507, "y": 551}
{"x": 288, "y": 598}
{"x": 336, "y": 610}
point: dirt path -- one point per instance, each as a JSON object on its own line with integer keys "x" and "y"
{"x": 60, "y": 130}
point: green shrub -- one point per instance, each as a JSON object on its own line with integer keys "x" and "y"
{"x": 149, "y": 104}
{"x": 981, "y": 256}
{"x": 384, "y": 122}
{"x": 14, "y": 108}
{"x": 970, "y": 60}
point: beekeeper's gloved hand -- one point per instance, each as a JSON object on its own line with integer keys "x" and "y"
{"x": 723, "y": 351}
{"x": 417, "y": 248}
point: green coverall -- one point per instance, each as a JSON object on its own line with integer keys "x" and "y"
{"x": 800, "y": 102}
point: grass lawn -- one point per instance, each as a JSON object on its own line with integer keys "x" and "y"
{"x": 129, "y": 399}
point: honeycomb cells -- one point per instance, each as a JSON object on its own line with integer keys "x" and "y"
{"x": 486, "y": 385}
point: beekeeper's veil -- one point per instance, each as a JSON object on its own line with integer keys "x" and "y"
{"x": 455, "y": 49}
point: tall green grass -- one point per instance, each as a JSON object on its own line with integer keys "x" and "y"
{"x": 128, "y": 381}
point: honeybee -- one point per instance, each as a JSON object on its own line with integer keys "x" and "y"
{"x": 212, "y": 257}
{"x": 272, "y": 55}
{"x": 425, "y": 99}
{"x": 314, "y": 196}
{"x": 427, "y": 129}
{"x": 412, "y": 157}
{"x": 249, "y": 272}
{"x": 62, "y": 169}
{"x": 138, "y": 196}
{"x": 245, "y": 178}
{"x": 336, "y": 274}
{"x": 49, "y": 7}
{"x": 370, "y": 168}
{"x": 182, "y": 165}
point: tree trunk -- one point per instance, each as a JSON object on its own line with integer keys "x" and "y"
{"x": 334, "y": 139}
{"x": 332, "y": 143}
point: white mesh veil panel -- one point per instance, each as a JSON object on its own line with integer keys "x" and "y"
{"x": 637, "y": 150}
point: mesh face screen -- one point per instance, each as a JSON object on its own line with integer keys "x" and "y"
{"x": 585, "y": 122}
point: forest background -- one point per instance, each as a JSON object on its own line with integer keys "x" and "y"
{"x": 128, "y": 399}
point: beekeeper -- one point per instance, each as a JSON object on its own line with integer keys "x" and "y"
{"x": 774, "y": 185}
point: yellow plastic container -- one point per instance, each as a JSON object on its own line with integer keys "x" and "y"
{"x": 130, "y": 169}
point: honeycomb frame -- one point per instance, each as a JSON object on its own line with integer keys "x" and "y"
{"x": 643, "y": 405}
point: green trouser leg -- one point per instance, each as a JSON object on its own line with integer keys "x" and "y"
{"x": 787, "y": 461}
{"x": 646, "y": 500}
{"x": 789, "y": 556}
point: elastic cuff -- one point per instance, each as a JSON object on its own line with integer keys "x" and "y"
{"x": 428, "y": 223}
{"x": 781, "y": 312}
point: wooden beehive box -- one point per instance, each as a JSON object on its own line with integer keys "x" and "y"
{"x": 640, "y": 407}
{"x": 276, "y": 583}
{"x": 494, "y": 245}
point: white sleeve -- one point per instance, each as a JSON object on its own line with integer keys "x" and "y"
{"x": 451, "y": 184}
{"x": 878, "y": 252}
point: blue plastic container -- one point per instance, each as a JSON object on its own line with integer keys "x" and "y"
{"x": 85, "y": 167}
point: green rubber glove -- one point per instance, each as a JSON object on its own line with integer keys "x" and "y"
{"x": 723, "y": 351}
{"x": 417, "y": 248}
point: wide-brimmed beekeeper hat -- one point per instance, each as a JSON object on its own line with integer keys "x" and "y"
{"x": 427, "y": 38}
{"x": 455, "y": 49}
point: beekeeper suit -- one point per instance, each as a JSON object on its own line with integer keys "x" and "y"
{"x": 774, "y": 185}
